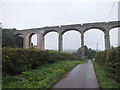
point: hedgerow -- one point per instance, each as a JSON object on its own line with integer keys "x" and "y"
{"x": 110, "y": 60}
{"x": 16, "y": 60}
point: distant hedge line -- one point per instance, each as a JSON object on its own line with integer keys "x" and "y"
{"x": 16, "y": 60}
{"x": 110, "y": 59}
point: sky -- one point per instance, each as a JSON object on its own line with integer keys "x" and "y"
{"x": 24, "y": 14}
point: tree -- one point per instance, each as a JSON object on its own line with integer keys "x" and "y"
{"x": 11, "y": 40}
{"x": 89, "y": 53}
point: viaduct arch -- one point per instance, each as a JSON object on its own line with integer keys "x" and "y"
{"x": 82, "y": 28}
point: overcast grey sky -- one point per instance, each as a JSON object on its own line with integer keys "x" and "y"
{"x": 24, "y": 15}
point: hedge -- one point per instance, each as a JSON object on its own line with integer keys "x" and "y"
{"x": 16, "y": 60}
{"x": 110, "y": 59}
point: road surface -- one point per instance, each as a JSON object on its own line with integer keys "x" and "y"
{"x": 82, "y": 76}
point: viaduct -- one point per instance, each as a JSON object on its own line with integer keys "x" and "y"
{"x": 82, "y": 28}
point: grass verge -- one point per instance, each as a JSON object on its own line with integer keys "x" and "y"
{"x": 43, "y": 77}
{"x": 103, "y": 78}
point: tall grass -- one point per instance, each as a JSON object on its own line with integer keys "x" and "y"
{"x": 103, "y": 77}
{"x": 43, "y": 77}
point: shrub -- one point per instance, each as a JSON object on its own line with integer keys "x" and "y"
{"x": 111, "y": 62}
{"x": 16, "y": 60}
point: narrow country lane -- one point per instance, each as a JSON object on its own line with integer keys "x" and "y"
{"x": 82, "y": 76}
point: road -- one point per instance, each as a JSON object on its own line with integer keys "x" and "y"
{"x": 82, "y": 76}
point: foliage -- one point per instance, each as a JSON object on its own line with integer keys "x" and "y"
{"x": 43, "y": 77}
{"x": 103, "y": 77}
{"x": 110, "y": 60}
{"x": 11, "y": 40}
{"x": 89, "y": 53}
{"x": 17, "y": 60}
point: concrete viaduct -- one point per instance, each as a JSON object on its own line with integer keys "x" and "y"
{"x": 82, "y": 28}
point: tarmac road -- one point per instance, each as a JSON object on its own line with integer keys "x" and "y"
{"x": 82, "y": 76}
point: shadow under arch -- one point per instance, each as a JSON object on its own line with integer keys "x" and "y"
{"x": 29, "y": 40}
{"x": 18, "y": 39}
{"x": 97, "y": 42}
{"x": 48, "y": 31}
{"x": 97, "y": 28}
{"x": 71, "y": 40}
{"x": 116, "y": 26}
{"x": 19, "y": 34}
{"x": 67, "y": 30}
{"x": 51, "y": 40}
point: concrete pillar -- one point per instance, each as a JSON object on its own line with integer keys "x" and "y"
{"x": 82, "y": 45}
{"x": 119, "y": 20}
{"x": 41, "y": 41}
{"x": 25, "y": 42}
{"x": 60, "y": 43}
{"x": 118, "y": 23}
{"x": 107, "y": 40}
{"x": 118, "y": 36}
{"x": 38, "y": 41}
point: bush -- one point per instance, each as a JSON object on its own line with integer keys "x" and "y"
{"x": 111, "y": 62}
{"x": 16, "y": 60}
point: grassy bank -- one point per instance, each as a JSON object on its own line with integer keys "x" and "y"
{"x": 43, "y": 77}
{"x": 103, "y": 77}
